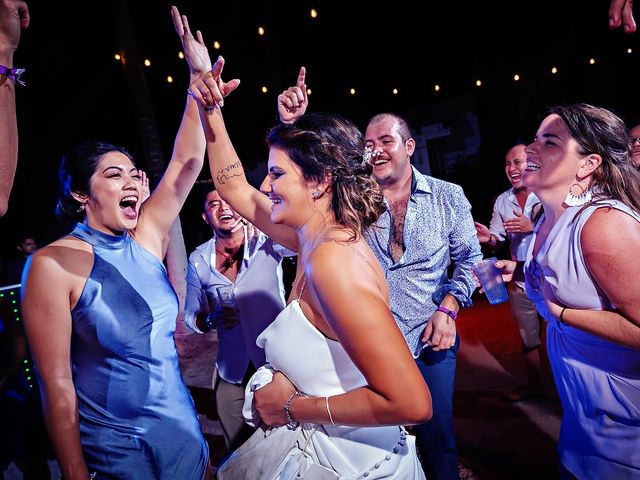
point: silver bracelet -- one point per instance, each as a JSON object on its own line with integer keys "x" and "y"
{"x": 292, "y": 424}
{"x": 326, "y": 403}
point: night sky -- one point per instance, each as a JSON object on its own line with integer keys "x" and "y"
{"x": 76, "y": 90}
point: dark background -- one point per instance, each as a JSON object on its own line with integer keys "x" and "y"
{"x": 76, "y": 90}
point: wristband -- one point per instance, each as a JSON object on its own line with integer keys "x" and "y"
{"x": 13, "y": 74}
{"x": 446, "y": 311}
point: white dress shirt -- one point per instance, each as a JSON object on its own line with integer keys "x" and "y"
{"x": 259, "y": 294}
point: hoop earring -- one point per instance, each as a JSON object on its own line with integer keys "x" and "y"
{"x": 575, "y": 199}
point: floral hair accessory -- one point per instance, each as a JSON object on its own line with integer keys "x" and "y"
{"x": 369, "y": 154}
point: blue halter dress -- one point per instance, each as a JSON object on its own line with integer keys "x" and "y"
{"x": 137, "y": 418}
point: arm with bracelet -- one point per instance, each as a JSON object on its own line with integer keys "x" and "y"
{"x": 14, "y": 16}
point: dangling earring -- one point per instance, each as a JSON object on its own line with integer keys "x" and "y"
{"x": 315, "y": 194}
{"x": 81, "y": 208}
{"x": 575, "y": 198}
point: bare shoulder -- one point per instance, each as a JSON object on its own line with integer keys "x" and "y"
{"x": 63, "y": 261}
{"x": 609, "y": 229}
{"x": 345, "y": 263}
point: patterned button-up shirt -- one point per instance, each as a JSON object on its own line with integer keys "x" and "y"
{"x": 438, "y": 229}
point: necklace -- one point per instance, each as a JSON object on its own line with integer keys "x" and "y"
{"x": 229, "y": 260}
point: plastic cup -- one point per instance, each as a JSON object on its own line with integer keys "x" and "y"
{"x": 491, "y": 280}
{"x": 227, "y": 299}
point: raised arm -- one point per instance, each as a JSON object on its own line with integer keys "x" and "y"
{"x": 46, "y": 310}
{"x": 227, "y": 170}
{"x": 14, "y": 15}
{"x": 356, "y": 310}
{"x": 164, "y": 204}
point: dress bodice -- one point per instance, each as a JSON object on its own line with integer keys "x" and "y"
{"x": 319, "y": 366}
{"x": 326, "y": 369}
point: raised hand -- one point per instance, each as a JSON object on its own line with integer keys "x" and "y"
{"x": 519, "y": 224}
{"x": 144, "y": 181}
{"x": 482, "y": 231}
{"x": 209, "y": 89}
{"x": 195, "y": 51}
{"x": 293, "y": 102}
{"x": 621, "y": 14}
{"x": 14, "y": 16}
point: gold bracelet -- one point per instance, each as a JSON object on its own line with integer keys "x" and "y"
{"x": 326, "y": 403}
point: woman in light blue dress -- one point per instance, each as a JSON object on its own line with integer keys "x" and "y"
{"x": 581, "y": 272}
{"x": 100, "y": 313}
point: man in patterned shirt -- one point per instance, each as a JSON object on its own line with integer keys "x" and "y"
{"x": 428, "y": 225}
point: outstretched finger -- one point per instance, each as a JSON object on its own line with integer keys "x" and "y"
{"x": 177, "y": 20}
{"x": 23, "y": 13}
{"x": 627, "y": 17}
{"x": 199, "y": 37}
{"x": 185, "y": 23}
{"x": 301, "y": 83}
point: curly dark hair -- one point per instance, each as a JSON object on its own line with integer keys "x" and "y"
{"x": 74, "y": 175}
{"x": 600, "y": 131}
{"x": 328, "y": 146}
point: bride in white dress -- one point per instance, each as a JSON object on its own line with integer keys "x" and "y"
{"x": 341, "y": 360}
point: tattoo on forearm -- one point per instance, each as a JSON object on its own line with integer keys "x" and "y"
{"x": 228, "y": 172}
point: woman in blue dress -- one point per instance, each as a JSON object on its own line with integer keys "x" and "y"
{"x": 100, "y": 313}
{"x": 581, "y": 273}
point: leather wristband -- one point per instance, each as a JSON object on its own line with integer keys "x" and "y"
{"x": 446, "y": 311}
{"x": 13, "y": 74}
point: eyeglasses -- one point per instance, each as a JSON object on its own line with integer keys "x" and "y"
{"x": 633, "y": 140}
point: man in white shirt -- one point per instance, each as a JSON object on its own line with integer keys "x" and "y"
{"x": 234, "y": 284}
{"x": 512, "y": 220}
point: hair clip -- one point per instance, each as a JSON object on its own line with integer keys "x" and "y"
{"x": 369, "y": 154}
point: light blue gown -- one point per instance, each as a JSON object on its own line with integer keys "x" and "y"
{"x": 137, "y": 418}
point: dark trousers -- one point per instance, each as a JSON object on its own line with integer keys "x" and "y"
{"x": 435, "y": 439}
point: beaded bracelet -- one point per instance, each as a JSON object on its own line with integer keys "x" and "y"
{"x": 292, "y": 424}
{"x": 13, "y": 74}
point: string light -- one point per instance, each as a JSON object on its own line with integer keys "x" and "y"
{"x": 147, "y": 62}
{"x": 216, "y": 45}
{"x": 629, "y": 51}
{"x": 352, "y": 91}
{"x": 181, "y": 55}
{"x": 10, "y": 294}
{"x": 308, "y": 91}
{"x": 592, "y": 61}
{"x": 264, "y": 89}
{"x": 554, "y": 70}
{"x": 260, "y": 31}
{"x": 395, "y": 91}
{"x": 478, "y": 83}
{"x": 117, "y": 56}
{"x": 169, "y": 79}
{"x": 313, "y": 13}
{"x": 516, "y": 77}
{"x": 436, "y": 88}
